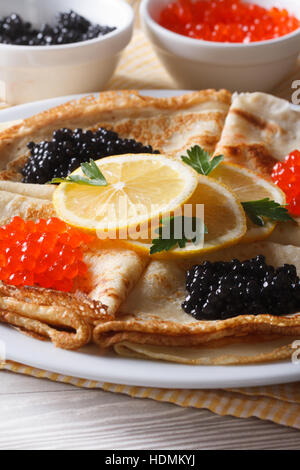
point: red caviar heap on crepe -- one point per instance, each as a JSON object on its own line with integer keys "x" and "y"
{"x": 286, "y": 175}
{"x": 227, "y": 20}
{"x": 47, "y": 253}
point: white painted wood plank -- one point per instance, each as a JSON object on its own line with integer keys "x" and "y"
{"x": 11, "y": 383}
{"x": 93, "y": 419}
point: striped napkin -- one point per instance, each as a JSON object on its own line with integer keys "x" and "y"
{"x": 280, "y": 403}
{"x": 140, "y": 69}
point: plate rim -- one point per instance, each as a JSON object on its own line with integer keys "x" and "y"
{"x": 164, "y": 374}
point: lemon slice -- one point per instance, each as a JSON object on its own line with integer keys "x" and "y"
{"x": 140, "y": 188}
{"x": 248, "y": 186}
{"x": 224, "y": 218}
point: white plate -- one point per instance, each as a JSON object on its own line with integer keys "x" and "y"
{"x": 90, "y": 363}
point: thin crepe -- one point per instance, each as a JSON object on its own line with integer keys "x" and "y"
{"x": 170, "y": 125}
{"x": 260, "y": 129}
{"x": 65, "y": 319}
{"x": 151, "y": 322}
{"x": 28, "y": 201}
{"x": 287, "y": 233}
{"x": 113, "y": 272}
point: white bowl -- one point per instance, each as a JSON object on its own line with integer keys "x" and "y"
{"x": 29, "y": 73}
{"x": 197, "y": 64}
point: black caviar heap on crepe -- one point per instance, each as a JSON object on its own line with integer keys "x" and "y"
{"x": 69, "y": 28}
{"x": 221, "y": 290}
{"x": 69, "y": 148}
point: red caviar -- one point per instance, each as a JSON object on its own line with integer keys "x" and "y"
{"x": 286, "y": 175}
{"x": 46, "y": 253}
{"x": 227, "y": 20}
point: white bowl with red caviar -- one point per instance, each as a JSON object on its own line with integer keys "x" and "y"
{"x": 30, "y": 73}
{"x": 196, "y": 63}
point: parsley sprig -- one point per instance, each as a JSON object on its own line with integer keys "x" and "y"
{"x": 94, "y": 177}
{"x": 201, "y": 160}
{"x": 204, "y": 164}
{"x": 256, "y": 210}
{"x": 168, "y": 226}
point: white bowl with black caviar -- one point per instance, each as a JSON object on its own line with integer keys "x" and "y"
{"x": 73, "y": 56}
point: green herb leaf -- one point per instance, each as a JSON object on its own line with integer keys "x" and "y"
{"x": 201, "y": 160}
{"x": 168, "y": 227}
{"x": 91, "y": 170}
{"x": 159, "y": 245}
{"x": 256, "y": 210}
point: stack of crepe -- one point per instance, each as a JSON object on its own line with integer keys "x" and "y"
{"x": 132, "y": 303}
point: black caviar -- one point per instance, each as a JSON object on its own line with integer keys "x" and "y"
{"x": 69, "y": 148}
{"x": 221, "y": 290}
{"x": 70, "y": 27}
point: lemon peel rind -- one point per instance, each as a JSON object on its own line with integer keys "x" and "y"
{"x": 259, "y": 233}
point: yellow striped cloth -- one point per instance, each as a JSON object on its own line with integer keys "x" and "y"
{"x": 280, "y": 403}
{"x": 140, "y": 69}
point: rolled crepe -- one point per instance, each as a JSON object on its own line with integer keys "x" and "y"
{"x": 151, "y": 322}
{"x": 259, "y": 130}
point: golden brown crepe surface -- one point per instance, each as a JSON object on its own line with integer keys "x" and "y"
{"x": 260, "y": 129}
{"x": 152, "y": 314}
{"x": 65, "y": 319}
{"x": 168, "y": 124}
{"x": 236, "y": 352}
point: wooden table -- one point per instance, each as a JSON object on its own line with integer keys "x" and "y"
{"x": 39, "y": 414}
